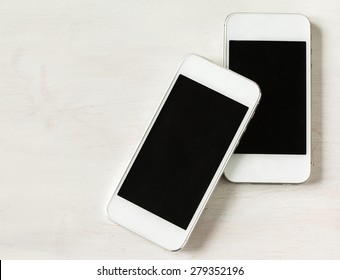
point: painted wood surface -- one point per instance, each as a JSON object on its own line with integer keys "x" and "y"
{"x": 79, "y": 82}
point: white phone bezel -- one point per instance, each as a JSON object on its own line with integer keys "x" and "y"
{"x": 150, "y": 225}
{"x": 263, "y": 168}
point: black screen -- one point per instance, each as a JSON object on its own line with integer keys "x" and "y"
{"x": 279, "y": 68}
{"x": 182, "y": 151}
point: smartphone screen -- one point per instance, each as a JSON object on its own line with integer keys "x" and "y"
{"x": 279, "y": 68}
{"x": 182, "y": 151}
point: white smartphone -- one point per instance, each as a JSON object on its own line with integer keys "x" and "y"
{"x": 274, "y": 50}
{"x": 183, "y": 152}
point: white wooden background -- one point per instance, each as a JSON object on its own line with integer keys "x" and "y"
{"x": 80, "y": 80}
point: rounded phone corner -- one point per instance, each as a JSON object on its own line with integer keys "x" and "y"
{"x": 193, "y": 57}
{"x": 190, "y": 55}
{"x": 179, "y": 246}
{"x": 259, "y": 93}
{"x": 306, "y": 19}
{"x": 176, "y": 249}
{"x": 225, "y": 173}
{"x": 305, "y": 178}
{"x": 107, "y": 212}
{"x": 228, "y": 17}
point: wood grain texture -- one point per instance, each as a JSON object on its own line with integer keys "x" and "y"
{"x": 79, "y": 81}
